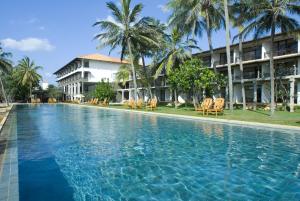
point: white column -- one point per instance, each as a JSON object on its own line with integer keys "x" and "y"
{"x": 265, "y": 92}
{"x": 298, "y": 92}
{"x": 298, "y": 66}
{"x": 78, "y": 88}
{"x": 292, "y": 92}
{"x": 298, "y": 44}
{"x": 122, "y": 96}
{"x": 254, "y": 94}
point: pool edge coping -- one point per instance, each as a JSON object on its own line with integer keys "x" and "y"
{"x": 235, "y": 122}
{"x": 9, "y": 172}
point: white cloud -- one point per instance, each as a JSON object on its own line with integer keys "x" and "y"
{"x": 163, "y": 8}
{"x": 32, "y": 20}
{"x": 49, "y": 75}
{"x": 42, "y": 28}
{"x": 28, "y": 44}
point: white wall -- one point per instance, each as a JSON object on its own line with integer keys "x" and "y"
{"x": 298, "y": 66}
{"x": 235, "y": 55}
{"x": 266, "y": 46}
{"x": 298, "y": 93}
{"x": 216, "y": 57}
{"x": 265, "y": 93}
{"x": 102, "y": 70}
{"x": 298, "y": 43}
{"x": 265, "y": 68}
{"x": 237, "y": 93}
{"x": 168, "y": 94}
{"x": 236, "y": 73}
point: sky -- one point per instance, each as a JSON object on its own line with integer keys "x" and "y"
{"x": 53, "y": 32}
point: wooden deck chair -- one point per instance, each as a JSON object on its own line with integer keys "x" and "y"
{"x": 153, "y": 104}
{"x": 218, "y": 107}
{"x": 104, "y": 103}
{"x": 206, "y": 104}
{"x": 131, "y": 104}
{"x": 140, "y": 104}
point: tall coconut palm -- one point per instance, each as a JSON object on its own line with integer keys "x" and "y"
{"x": 267, "y": 16}
{"x": 155, "y": 30}
{"x": 239, "y": 14}
{"x": 123, "y": 74}
{"x": 227, "y": 27}
{"x": 27, "y": 75}
{"x": 193, "y": 16}
{"x": 5, "y": 67}
{"x": 175, "y": 52}
{"x": 123, "y": 31}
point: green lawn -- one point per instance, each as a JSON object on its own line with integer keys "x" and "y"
{"x": 280, "y": 117}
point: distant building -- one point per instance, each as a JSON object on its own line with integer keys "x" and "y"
{"x": 45, "y": 85}
{"x": 81, "y": 74}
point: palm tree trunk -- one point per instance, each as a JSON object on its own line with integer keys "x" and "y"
{"x": 272, "y": 83}
{"x": 147, "y": 77}
{"x": 228, "y": 56}
{"x": 208, "y": 32}
{"x": 176, "y": 98}
{"x": 30, "y": 92}
{"x": 133, "y": 70}
{"x": 3, "y": 92}
{"x": 242, "y": 70}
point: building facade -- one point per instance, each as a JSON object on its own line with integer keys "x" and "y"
{"x": 256, "y": 70}
{"x": 80, "y": 76}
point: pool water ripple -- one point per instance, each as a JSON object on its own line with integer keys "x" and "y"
{"x": 112, "y": 155}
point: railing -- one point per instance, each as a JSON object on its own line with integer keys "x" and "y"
{"x": 281, "y": 52}
{"x": 251, "y": 56}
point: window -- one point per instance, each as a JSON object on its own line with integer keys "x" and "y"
{"x": 223, "y": 58}
{"x": 283, "y": 47}
{"x": 86, "y": 75}
{"x": 86, "y": 64}
{"x": 207, "y": 61}
{"x": 252, "y": 53}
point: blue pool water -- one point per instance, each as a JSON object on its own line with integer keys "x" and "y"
{"x": 79, "y": 153}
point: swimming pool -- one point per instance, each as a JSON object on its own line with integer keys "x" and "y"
{"x": 78, "y": 153}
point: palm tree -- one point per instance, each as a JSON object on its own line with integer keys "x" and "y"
{"x": 5, "y": 67}
{"x": 174, "y": 53}
{"x": 155, "y": 30}
{"x": 268, "y": 16}
{"x": 123, "y": 74}
{"x": 239, "y": 11}
{"x": 27, "y": 74}
{"x": 124, "y": 31}
{"x": 228, "y": 55}
{"x": 193, "y": 16}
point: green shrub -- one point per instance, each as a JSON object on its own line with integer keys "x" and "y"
{"x": 104, "y": 90}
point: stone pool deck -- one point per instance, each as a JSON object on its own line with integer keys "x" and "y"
{"x": 9, "y": 184}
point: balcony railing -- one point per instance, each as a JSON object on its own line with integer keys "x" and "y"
{"x": 281, "y": 52}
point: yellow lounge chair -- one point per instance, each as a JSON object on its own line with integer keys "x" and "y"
{"x": 153, "y": 104}
{"x": 104, "y": 103}
{"x": 206, "y": 104}
{"x": 131, "y": 104}
{"x": 140, "y": 104}
{"x": 218, "y": 107}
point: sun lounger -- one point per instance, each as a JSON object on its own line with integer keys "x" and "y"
{"x": 206, "y": 104}
{"x": 218, "y": 107}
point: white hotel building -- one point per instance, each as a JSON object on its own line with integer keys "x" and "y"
{"x": 83, "y": 72}
{"x": 256, "y": 70}
{"x": 80, "y": 75}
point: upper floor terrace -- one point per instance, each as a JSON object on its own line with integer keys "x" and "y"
{"x": 285, "y": 46}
